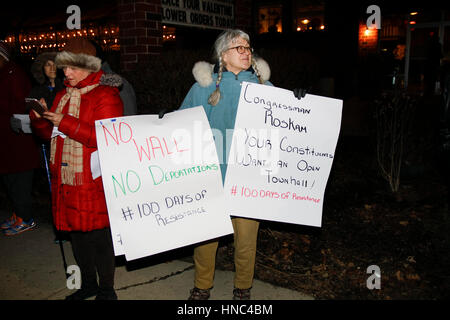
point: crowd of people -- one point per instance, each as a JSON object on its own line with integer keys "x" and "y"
{"x": 89, "y": 91}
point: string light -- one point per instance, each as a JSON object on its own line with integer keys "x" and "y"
{"x": 35, "y": 42}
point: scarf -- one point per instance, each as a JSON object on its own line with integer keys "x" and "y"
{"x": 72, "y": 152}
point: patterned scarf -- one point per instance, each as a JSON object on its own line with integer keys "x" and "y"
{"x": 72, "y": 153}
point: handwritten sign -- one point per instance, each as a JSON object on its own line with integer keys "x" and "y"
{"x": 212, "y": 14}
{"x": 162, "y": 182}
{"x": 281, "y": 155}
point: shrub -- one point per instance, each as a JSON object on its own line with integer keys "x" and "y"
{"x": 394, "y": 114}
{"x": 164, "y": 81}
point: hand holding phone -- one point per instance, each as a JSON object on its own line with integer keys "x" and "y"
{"x": 35, "y": 105}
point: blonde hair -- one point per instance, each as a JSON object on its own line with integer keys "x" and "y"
{"x": 220, "y": 46}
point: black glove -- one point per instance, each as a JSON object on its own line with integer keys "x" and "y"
{"x": 162, "y": 113}
{"x": 300, "y": 92}
{"x": 16, "y": 124}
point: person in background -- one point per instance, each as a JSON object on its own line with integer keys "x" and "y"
{"x": 49, "y": 83}
{"x": 126, "y": 90}
{"x": 127, "y": 93}
{"x": 45, "y": 73}
{"x": 20, "y": 155}
{"x": 78, "y": 200}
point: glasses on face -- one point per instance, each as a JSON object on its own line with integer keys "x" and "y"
{"x": 242, "y": 49}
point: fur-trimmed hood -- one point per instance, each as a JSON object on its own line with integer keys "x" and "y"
{"x": 37, "y": 68}
{"x": 203, "y": 71}
{"x": 79, "y": 60}
{"x": 111, "y": 79}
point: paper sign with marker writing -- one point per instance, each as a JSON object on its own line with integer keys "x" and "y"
{"x": 281, "y": 155}
{"x": 162, "y": 182}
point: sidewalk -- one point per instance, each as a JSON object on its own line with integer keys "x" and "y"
{"x": 32, "y": 268}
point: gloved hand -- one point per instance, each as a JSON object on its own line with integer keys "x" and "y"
{"x": 162, "y": 113}
{"x": 300, "y": 92}
{"x": 16, "y": 125}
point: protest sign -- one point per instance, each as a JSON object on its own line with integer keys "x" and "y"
{"x": 162, "y": 182}
{"x": 281, "y": 155}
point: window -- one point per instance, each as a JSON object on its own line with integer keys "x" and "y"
{"x": 269, "y": 19}
{"x": 309, "y": 15}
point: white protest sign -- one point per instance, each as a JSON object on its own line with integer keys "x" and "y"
{"x": 281, "y": 155}
{"x": 162, "y": 182}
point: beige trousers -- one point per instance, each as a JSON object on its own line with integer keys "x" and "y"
{"x": 245, "y": 237}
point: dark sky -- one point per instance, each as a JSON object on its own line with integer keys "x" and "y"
{"x": 18, "y": 15}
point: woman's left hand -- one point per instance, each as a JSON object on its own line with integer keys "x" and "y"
{"x": 54, "y": 118}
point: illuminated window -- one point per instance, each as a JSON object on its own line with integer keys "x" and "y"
{"x": 269, "y": 19}
{"x": 309, "y": 15}
{"x": 168, "y": 34}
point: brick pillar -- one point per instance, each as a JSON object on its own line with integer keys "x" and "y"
{"x": 140, "y": 31}
{"x": 243, "y": 15}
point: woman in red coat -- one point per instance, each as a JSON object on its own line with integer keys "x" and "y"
{"x": 78, "y": 201}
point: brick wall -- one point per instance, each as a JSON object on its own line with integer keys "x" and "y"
{"x": 243, "y": 15}
{"x": 140, "y": 31}
{"x": 368, "y": 41}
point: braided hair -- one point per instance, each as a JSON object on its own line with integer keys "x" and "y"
{"x": 220, "y": 46}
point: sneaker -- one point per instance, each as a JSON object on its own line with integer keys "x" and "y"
{"x": 19, "y": 227}
{"x": 10, "y": 222}
{"x": 241, "y": 294}
{"x": 199, "y": 294}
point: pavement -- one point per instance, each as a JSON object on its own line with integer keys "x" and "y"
{"x": 32, "y": 268}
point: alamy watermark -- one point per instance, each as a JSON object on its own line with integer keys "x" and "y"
{"x": 374, "y": 280}
{"x": 74, "y": 20}
{"x": 374, "y": 20}
{"x": 74, "y": 280}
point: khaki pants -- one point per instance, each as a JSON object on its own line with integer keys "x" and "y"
{"x": 245, "y": 237}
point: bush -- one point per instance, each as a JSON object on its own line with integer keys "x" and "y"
{"x": 164, "y": 81}
{"x": 394, "y": 114}
{"x": 291, "y": 68}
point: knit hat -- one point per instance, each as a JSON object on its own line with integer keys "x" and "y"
{"x": 4, "y": 51}
{"x": 79, "y": 53}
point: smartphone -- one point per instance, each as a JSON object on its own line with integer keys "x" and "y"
{"x": 35, "y": 105}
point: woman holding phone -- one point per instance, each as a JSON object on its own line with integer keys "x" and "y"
{"x": 78, "y": 200}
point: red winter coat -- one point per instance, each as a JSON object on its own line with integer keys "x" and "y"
{"x": 83, "y": 207}
{"x": 19, "y": 150}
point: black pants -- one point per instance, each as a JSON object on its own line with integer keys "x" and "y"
{"x": 19, "y": 186}
{"x": 94, "y": 253}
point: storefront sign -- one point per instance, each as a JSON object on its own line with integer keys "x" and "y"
{"x": 198, "y": 13}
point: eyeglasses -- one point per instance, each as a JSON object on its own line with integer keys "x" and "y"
{"x": 242, "y": 49}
